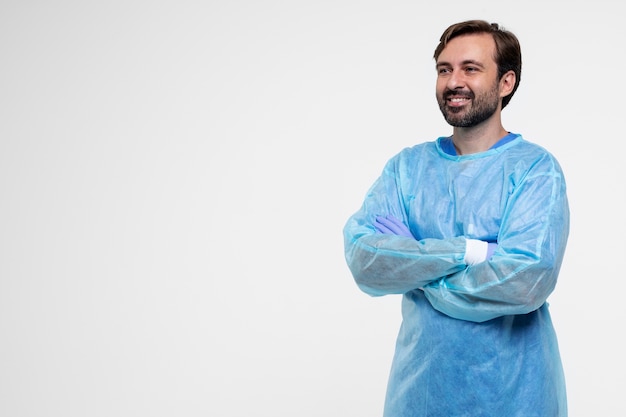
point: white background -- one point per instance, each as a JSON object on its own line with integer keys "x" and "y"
{"x": 175, "y": 177}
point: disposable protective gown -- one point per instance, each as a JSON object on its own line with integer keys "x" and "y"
{"x": 474, "y": 340}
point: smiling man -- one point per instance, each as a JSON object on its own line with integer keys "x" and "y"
{"x": 471, "y": 228}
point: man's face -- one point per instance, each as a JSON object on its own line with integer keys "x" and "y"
{"x": 468, "y": 89}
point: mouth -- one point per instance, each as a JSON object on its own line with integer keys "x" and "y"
{"x": 457, "y": 101}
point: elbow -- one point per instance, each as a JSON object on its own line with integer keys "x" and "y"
{"x": 541, "y": 286}
{"x": 363, "y": 268}
{"x": 370, "y": 290}
{"x": 368, "y": 281}
{"x": 531, "y": 288}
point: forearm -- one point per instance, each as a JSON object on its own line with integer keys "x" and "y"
{"x": 493, "y": 289}
{"x": 382, "y": 264}
{"x": 517, "y": 280}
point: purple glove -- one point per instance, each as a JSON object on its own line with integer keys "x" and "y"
{"x": 389, "y": 225}
{"x": 491, "y": 248}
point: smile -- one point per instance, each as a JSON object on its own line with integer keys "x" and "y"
{"x": 456, "y": 101}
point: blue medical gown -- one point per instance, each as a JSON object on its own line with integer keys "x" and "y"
{"x": 474, "y": 340}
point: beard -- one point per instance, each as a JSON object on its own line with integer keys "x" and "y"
{"x": 480, "y": 109}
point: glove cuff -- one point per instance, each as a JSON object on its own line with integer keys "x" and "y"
{"x": 475, "y": 251}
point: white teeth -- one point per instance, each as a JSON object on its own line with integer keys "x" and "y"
{"x": 457, "y": 100}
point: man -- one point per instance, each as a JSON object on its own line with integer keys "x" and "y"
{"x": 472, "y": 230}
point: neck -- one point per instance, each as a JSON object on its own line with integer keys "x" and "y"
{"x": 469, "y": 140}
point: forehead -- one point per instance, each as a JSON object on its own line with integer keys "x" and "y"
{"x": 471, "y": 47}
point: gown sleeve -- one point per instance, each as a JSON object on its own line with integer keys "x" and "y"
{"x": 387, "y": 264}
{"x": 523, "y": 271}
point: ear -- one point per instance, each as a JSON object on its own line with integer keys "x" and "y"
{"x": 507, "y": 83}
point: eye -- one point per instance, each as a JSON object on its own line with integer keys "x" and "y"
{"x": 443, "y": 70}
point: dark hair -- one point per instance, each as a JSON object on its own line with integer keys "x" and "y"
{"x": 508, "y": 51}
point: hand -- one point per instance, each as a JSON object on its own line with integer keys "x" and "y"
{"x": 491, "y": 248}
{"x": 389, "y": 225}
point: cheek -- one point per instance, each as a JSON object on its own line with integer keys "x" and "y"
{"x": 439, "y": 88}
{"x": 441, "y": 85}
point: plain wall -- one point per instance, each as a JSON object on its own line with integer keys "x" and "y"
{"x": 175, "y": 177}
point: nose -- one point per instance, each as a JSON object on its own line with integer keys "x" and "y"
{"x": 456, "y": 80}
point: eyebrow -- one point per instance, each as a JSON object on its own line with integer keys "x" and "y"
{"x": 466, "y": 62}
